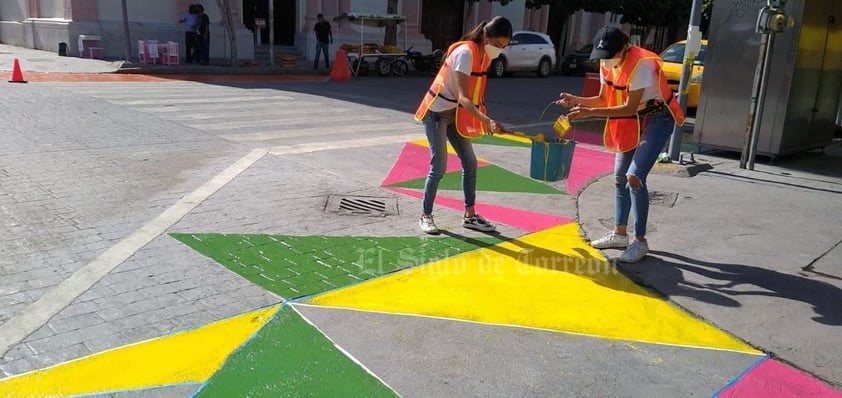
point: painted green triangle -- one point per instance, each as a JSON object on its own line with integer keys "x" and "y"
{"x": 290, "y": 358}
{"x": 490, "y": 178}
{"x": 297, "y": 266}
{"x": 493, "y": 140}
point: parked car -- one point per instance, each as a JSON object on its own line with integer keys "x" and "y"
{"x": 526, "y": 52}
{"x": 673, "y": 58}
{"x": 579, "y": 62}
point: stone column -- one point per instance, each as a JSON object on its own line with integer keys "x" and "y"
{"x": 544, "y": 19}
{"x": 344, "y": 28}
{"x": 412, "y": 11}
{"x": 81, "y": 10}
{"x": 181, "y": 7}
{"x": 33, "y": 8}
{"x": 484, "y": 13}
{"x": 527, "y": 19}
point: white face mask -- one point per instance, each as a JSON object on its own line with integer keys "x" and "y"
{"x": 493, "y": 52}
{"x": 611, "y": 63}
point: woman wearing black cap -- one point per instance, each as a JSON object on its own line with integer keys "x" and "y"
{"x": 640, "y": 110}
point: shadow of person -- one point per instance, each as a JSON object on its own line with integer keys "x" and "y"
{"x": 666, "y": 279}
{"x": 742, "y": 280}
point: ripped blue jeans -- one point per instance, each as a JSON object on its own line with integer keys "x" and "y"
{"x": 656, "y": 128}
{"x": 440, "y": 127}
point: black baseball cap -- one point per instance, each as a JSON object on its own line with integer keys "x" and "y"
{"x": 607, "y": 42}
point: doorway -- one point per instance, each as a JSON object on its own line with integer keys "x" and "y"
{"x": 441, "y": 22}
{"x": 285, "y": 13}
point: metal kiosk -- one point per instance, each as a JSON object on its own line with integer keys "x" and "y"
{"x": 385, "y": 64}
{"x": 803, "y": 96}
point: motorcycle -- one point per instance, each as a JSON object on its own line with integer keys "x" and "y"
{"x": 427, "y": 64}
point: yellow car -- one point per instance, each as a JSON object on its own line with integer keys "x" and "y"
{"x": 673, "y": 58}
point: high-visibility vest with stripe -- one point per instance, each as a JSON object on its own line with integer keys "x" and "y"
{"x": 467, "y": 125}
{"x": 622, "y": 134}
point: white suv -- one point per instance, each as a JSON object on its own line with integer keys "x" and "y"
{"x": 526, "y": 52}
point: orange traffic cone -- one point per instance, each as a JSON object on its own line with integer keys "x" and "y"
{"x": 341, "y": 70}
{"x": 17, "y": 76}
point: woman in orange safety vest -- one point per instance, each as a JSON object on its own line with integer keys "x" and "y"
{"x": 641, "y": 111}
{"x": 453, "y": 109}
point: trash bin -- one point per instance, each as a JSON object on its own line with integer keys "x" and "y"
{"x": 62, "y": 49}
{"x": 551, "y": 161}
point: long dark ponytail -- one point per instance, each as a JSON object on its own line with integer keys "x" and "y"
{"x": 497, "y": 27}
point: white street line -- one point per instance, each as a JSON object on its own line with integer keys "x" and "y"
{"x": 351, "y": 130}
{"x": 35, "y": 315}
{"x": 224, "y": 100}
{"x": 270, "y": 120}
{"x": 358, "y": 143}
{"x": 38, "y": 313}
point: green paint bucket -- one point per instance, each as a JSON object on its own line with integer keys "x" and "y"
{"x": 551, "y": 161}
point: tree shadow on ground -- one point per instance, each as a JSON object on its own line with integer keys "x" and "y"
{"x": 666, "y": 273}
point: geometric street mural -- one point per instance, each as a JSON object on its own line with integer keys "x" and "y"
{"x": 548, "y": 279}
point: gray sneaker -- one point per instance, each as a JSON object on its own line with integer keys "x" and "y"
{"x": 636, "y": 251}
{"x": 477, "y": 223}
{"x": 611, "y": 240}
{"x": 428, "y": 225}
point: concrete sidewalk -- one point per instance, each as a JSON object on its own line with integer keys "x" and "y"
{"x": 49, "y": 62}
{"x": 40, "y": 61}
{"x": 754, "y": 252}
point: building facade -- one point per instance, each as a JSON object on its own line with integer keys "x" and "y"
{"x": 430, "y": 24}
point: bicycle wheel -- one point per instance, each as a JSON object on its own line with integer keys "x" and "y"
{"x": 400, "y": 67}
{"x": 383, "y": 66}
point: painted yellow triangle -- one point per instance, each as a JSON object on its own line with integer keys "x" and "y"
{"x": 190, "y": 356}
{"x": 548, "y": 280}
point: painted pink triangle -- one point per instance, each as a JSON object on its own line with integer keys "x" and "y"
{"x": 529, "y": 221}
{"x": 587, "y": 165}
{"x": 771, "y": 378}
{"x": 414, "y": 162}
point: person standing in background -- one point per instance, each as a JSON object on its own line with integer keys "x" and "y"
{"x": 202, "y": 34}
{"x": 324, "y": 37}
{"x": 189, "y": 22}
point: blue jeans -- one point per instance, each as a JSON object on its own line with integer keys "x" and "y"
{"x": 440, "y": 127}
{"x": 321, "y": 48}
{"x": 657, "y": 127}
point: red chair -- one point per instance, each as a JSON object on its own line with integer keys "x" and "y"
{"x": 141, "y": 52}
{"x": 171, "y": 56}
{"x": 151, "y": 49}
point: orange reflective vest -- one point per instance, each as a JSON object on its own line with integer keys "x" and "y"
{"x": 467, "y": 125}
{"x": 622, "y": 134}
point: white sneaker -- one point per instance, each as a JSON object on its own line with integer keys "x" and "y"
{"x": 477, "y": 223}
{"x": 636, "y": 251}
{"x": 611, "y": 240}
{"x": 428, "y": 225}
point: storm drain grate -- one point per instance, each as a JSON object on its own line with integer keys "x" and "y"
{"x": 666, "y": 199}
{"x": 362, "y": 205}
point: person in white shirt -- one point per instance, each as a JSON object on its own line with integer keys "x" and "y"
{"x": 641, "y": 111}
{"x": 453, "y": 109}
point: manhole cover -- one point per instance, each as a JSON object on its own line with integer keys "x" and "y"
{"x": 362, "y": 205}
{"x": 666, "y": 199}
